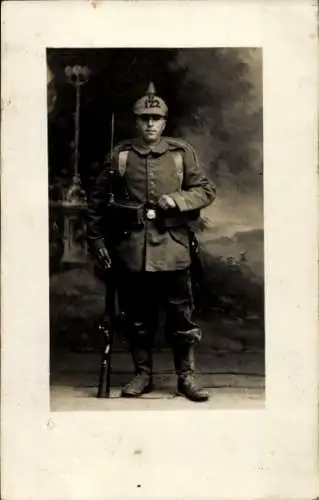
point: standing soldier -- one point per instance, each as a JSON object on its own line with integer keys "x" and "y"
{"x": 139, "y": 214}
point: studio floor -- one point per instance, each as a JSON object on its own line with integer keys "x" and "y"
{"x": 234, "y": 381}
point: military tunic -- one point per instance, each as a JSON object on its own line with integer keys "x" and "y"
{"x": 149, "y": 173}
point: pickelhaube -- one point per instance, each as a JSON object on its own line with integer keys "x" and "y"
{"x": 150, "y": 103}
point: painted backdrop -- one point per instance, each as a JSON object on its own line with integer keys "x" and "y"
{"x": 215, "y": 101}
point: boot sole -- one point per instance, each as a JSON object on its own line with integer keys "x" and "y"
{"x": 199, "y": 399}
{"x": 147, "y": 390}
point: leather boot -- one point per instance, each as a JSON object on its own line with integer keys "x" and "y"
{"x": 188, "y": 387}
{"x": 142, "y": 383}
{"x": 187, "y": 384}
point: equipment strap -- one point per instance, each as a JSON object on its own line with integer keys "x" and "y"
{"x": 122, "y": 162}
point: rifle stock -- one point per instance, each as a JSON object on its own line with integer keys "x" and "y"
{"x": 107, "y": 328}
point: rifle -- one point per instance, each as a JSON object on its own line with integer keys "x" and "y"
{"x": 107, "y": 325}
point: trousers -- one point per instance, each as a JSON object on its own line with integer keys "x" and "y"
{"x": 145, "y": 294}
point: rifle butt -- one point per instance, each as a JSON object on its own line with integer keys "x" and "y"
{"x": 104, "y": 380}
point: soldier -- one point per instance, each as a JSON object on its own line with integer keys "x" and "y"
{"x": 157, "y": 186}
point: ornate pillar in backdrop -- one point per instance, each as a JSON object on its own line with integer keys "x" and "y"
{"x": 73, "y": 205}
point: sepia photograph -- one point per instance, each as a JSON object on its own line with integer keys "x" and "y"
{"x": 158, "y": 250}
{"x": 156, "y": 228}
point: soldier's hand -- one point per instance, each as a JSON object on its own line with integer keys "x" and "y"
{"x": 104, "y": 257}
{"x": 165, "y": 202}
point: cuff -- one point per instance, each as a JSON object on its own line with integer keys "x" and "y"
{"x": 97, "y": 243}
{"x": 179, "y": 200}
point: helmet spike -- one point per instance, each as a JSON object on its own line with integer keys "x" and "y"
{"x": 151, "y": 89}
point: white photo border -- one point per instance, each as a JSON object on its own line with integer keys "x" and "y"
{"x": 207, "y": 454}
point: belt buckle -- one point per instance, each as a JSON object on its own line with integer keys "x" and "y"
{"x": 151, "y": 214}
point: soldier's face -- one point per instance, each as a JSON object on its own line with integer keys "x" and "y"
{"x": 150, "y": 127}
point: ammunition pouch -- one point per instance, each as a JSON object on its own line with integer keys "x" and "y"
{"x": 174, "y": 219}
{"x": 171, "y": 222}
{"x": 126, "y": 214}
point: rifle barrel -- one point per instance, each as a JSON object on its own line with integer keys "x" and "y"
{"x": 112, "y": 131}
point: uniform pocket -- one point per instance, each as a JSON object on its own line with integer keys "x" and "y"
{"x": 155, "y": 238}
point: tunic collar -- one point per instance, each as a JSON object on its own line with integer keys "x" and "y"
{"x": 141, "y": 147}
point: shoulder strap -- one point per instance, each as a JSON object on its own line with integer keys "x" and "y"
{"x": 122, "y": 162}
{"x": 178, "y": 160}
